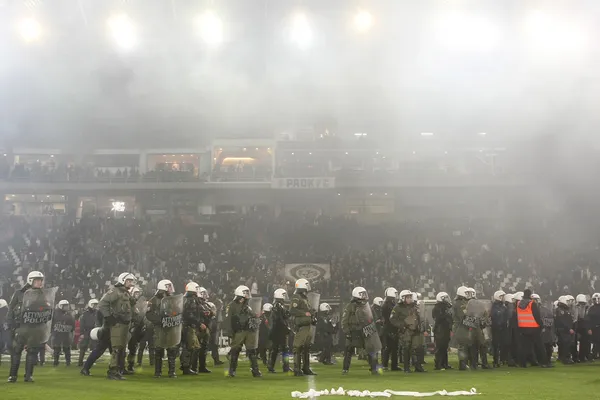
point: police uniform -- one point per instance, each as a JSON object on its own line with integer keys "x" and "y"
{"x": 461, "y": 331}
{"x": 243, "y": 326}
{"x": 161, "y": 336}
{"x": 102, "y": 344}
{"x": 117, "y": 308}
{"x": 354, "y": 322}
{"x": 390, "y": 335}
{"x": 406, "y": 319}
{"x": 582, "y": 353}
{"x": 264, "y": 343}
{"x": 87, "y": 322}
{"x": 138, "y": 331}
{"x": 191, "y": 324}
{"x": 563, "y": 321}
{"x": 303, "y": 316}
{"x": 326, "y": 330}
{"x": 278, "y": 335}
{"x": 63, "y": 327}
{"x": 204, "y": 335}
{"x": 592, "y": 322}
{"x": 442, "y": 316}
{"x": 499, "y": 318}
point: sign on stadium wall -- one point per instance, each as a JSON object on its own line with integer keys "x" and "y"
{"x": 312, "y": 272}
{"x": 303, "y": 183}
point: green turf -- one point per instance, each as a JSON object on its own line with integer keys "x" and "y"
{"x": 62, "y": 383}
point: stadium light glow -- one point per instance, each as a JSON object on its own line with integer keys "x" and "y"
{"x": 29, "y": 29}
{"x": 301, "y": 33}
{"x": 467, "y": 32}
{"x": 426, "y": 133}
{"x": 210, "y": 28}
{"x": 122, "y": 31}
{"x": 363, "y": 21}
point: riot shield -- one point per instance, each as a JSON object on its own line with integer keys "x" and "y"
{"x": 314, "y": 300}
{"x": 548, "y": 324}
{"x": 36, "y": 317}
{"x": 255, "y": 304}
{"x": 478, "y": 316}
{"x": 171, "y": 312}
{"x": 364, "y": 315}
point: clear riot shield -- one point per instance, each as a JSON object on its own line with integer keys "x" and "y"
{"x": 372, "y": 340}
{"x": 171, "y": 312}
{"x": 255, "y": 304}
{"x": 36, "y": 315}
{"x": 547, "y": 316}
{"x": 314, "y": 299}
{"x": 478, "y": 316}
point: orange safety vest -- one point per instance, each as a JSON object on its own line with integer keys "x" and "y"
{"x": 525, "y": 317}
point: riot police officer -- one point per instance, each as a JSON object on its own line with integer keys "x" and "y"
{"x": 390, "y": 333}
{"x": 461, "y": 331}
{"x": 499, "y": 318}
{"x": 29, "y": 317}
{"x": 563, "y": 321}
{"x": 581, "y": 330}
{"x": 592, "y": 321}
{"x": 206, "y": 316}
{"x": 326, "y": 330}
{"x": 191, "y": 324}
{"x": 87, "y": 322}
{"x": 243, "y": 325}
{"x": 304, "y": 318}
{"x": 63, "y": 328}
{"x": 213, "y": 344}
{"x": 263, "y": 333}
{"x": 117, "y": 310}
{"x": 442, "y": 316}
{"x": 405, "y": 318}
{"x": 138, "y": 328}
{"x": 280, "y": 330}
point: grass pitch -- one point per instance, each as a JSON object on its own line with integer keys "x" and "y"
{"x": 62, "y": 383}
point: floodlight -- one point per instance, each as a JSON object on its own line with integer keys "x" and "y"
{"x": 363, "y": 21}
{"x": 122, "y": 31}
{"x": 482, "y": 133}
{"x": 29, "y": 29}
{"x": 210, "y": 28}
{"x": 301, "y": 33}
{"x": 426, "y": 133}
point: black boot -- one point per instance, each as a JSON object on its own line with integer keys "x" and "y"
{"x": 140, "y": 353}
{"x": 171, "y": 359}
{"x": 151, "y": 355}
{"x": 56, "y": 356}
{"x": 67, "y": 355}
{"x": 202, "y": 362}
{"x": 406, "y": 359}
{"x": 158, "y": 358}
{"x": 252, "y": 355}
{"x": 484, "y": 361}
{"x": 193, "y": 367}
{"x": 347, "y": 360}
{"x": 30, "y": 360}
{"x": 419, "y": 357}
{"x": 15, "y": 362}
{"x": 462, "y": 365}
{"x": 298, "y": 363}
{"x": 285, "y": 360}
{"x": 306, "y": 362}
{"x": 81, "y": 356}
{"x": 474, "y": 357}
{"x": 233, "y": 362}
{"x": 272, "y": 361}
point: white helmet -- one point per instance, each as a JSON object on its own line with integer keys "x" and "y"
{"x": 3, "y": 303}
{"x": 125, "y": 276}
{"x": 391, "y": 292}
{"x": 96, "y": 333}
{"x": 93, "y": 303}
{"x": 582, "y": 298}
{"x": 555, "y": 303}
{"x": 405, "y": 293}
{"x": 563, "y": 300}
{"x": 62, "y": 304}
{"x": 442, "y": 297}
{"x": 415, "y": 297}
{"x": 324, "y": 307}
{"x": 165, "y": 285}
{"x": 360, "y": 292}
{"x": 267, "y": 307}
{"x": 595, "y": 298}
{"x": 212, "y": 306}
{"x": 570, "y": 299}
{"x": 472, "y": 293}
{"x": 280, "y": 294}
{"x": 303, "y": 284}
{"x": 536, "y": 297}
{"x": 509, "y": 297}
{"x": 192, "y": 287}
{"x": 242, "y": 291}
{"x": 499, "y": 295}
{"x": 34, "y": 275}
{"x": 518, "y": 296}
{"x": 133, "y": 290}
{"x": 202, "y": 293}
{"x": 378, "y": 301}
{"x": 463, "y": 291}
{"x": 419, "y": 295}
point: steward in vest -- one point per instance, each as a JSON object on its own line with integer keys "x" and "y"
{"x": 529, "y": 322}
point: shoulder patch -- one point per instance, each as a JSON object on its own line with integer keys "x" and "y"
{"x": 294, "y": 304}
{"x": 562, "y": 312}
